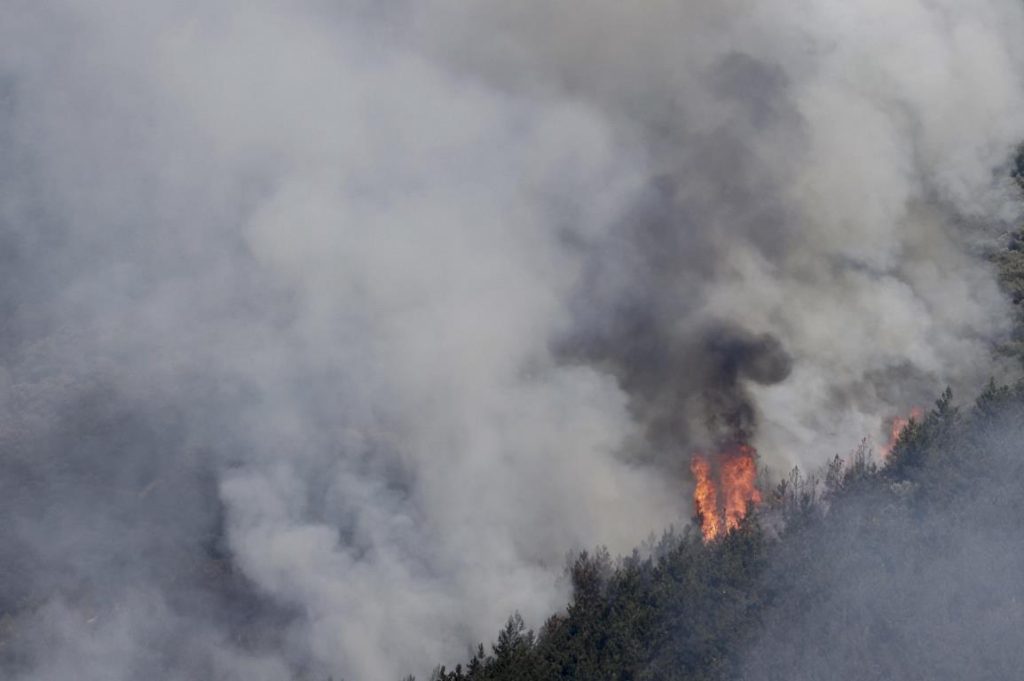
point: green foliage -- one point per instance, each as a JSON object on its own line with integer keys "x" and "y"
{"x": 921, "y": 439}
{"x": 676, "y": 615}
{"x": 689, "y": 610}
{"x": 796, "y": 496}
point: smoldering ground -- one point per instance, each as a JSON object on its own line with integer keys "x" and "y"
{"x": 382, "y": 308}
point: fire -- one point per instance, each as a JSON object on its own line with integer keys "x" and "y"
{"x": 721, "y": 508}
{"x": 705, "y": 498}
{"x": 899, "y": 424}
{"x": 739, "y": 483}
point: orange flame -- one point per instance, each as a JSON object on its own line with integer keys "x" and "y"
{"x": 737, "y": 480}
{"x": 899, "y": 424}
{"x": 705, "y": 498}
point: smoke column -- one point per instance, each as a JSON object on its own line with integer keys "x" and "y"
{"x": 329, "y": 327}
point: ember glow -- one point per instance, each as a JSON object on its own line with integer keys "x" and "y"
{"x": 722, "y": 503}
{"x": 899, "y": 424}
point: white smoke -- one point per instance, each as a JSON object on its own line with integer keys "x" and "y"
{"x": 328, "y": 254}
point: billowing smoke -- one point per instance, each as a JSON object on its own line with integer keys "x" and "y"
{"x": 688, "y": 389}
{"x": 329, "y": 327}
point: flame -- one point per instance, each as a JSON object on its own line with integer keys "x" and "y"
{"x": 899, "y": 424}
{"x": 737, "y": 481}
{"x": 705, "y": 498}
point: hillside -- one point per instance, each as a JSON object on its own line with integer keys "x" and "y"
{"x": 908, "y": 568}
{"x": 905, "y": 570}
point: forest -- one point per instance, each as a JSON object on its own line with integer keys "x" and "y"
{"x": 872, "y": 568}
{"x": 823, "y": 582}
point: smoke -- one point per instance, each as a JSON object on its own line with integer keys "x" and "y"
{"x": 330, "y": 327}
{"x": 688, "y": 389}
{"x": 812, "y": 179}
{"x": 914, "y": 580}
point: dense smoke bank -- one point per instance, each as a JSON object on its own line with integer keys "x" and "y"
{"x": 328, "y": 328}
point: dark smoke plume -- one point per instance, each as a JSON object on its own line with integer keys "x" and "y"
{"x": 689, "y": 387}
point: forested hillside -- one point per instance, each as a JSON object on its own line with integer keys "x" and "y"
{"x": 904, "y": 568}
{"x": 907, "y": 570}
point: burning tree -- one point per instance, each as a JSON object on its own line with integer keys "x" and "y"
{"x": 726, "y": 487}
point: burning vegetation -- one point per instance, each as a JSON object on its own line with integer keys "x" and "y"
{"x": 726, "y": 487}
{"x": 725, "y": 483}
{"x": 896, "y": 428}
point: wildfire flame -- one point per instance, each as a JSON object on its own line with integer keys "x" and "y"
{"x": 705, "y": 498}
{"x": 720, "y": 508}
{"x": 899, "y": 424}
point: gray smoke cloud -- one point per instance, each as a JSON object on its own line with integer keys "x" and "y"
{"x": 689, "y": 390}
{"x": 330, "y": 327}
